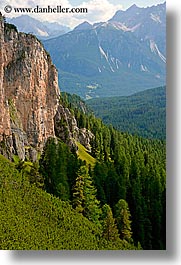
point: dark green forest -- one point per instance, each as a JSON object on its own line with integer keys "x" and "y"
{"x": 142, "y": 114}
{"x": 62, "y": 202}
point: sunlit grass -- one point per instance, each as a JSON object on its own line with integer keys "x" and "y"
{"x": 84, "y": 155}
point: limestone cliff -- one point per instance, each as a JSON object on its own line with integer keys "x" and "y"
{"x": 29, "y": 98}
{"x": 29, "y": 91}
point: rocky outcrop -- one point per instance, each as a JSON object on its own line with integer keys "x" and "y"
{"x": 66, "y": 129}
{"x": 85, "y": 137}
{"x": 29, "y": 98}
{"x": 66, "y": 126}
{"x": 29, "y": 91}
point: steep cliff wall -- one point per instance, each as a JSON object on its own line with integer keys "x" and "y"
{"x": 29, "y": 91}
{"x": 29, "y": 98}
{"x": 4, "y": 112}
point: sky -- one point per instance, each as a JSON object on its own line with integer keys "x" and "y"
{"x": 98, "y": 10}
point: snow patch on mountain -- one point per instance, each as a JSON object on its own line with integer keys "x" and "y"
{"x": 144, "y": 68}
{"x": 106, "y": 57}
{"x": 155, "y": 17}
{"x": 103, "y": 53}
{"x": 154, "y": 48}
{"x": 133, "y": 29}
{"x": 42, "y": 33}
{"x": 117, "y": 63}
{"x": 120, "y": 26}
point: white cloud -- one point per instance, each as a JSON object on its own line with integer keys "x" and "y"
{"x": 100, "y": 10}
{"x": 97, "y": 10}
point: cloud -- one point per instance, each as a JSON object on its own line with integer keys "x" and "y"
{"x": 100, "y": 10}
{"x": 97, "y": 10}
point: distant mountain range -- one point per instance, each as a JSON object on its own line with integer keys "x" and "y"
{"x": 43, "y": 30}
{"x": 119, "y": 57}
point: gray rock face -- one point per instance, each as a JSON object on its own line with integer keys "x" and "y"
{"x": 65, "y": 126}
{"x": 84, "y": 137}
{"x": 67, "y": 130}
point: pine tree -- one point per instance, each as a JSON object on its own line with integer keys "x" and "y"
{"x": 48, "y": 165}
{"x": 53, "y": 167}
{"x": 78, "y": 194}
{"x": 61, "y": 180}
{"x": 137, "y": 211}
{"x": 123, "y": 215}
{"x": 100, "y": 175}
{"x": 84, "y": 196}
{"x": 110, "y": 230}
{"x": 92, "y": 206}
{"x": 112, "y": 186}
{"x": 35, "y": 177}
{"x": 82, "y": 120}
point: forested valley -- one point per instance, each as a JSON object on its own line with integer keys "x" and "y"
{"x": 142, "y": 114}
{"x": 112, "y": 197}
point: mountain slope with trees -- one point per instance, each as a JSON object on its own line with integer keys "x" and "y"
{"x": 143, "y": 113}
{"x": 121, "y": 200}
{"x": 133, "y": 169}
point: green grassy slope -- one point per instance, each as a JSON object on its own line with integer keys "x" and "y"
{"x": 84, "y": 155}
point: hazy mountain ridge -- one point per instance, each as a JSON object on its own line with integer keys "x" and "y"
{"x": 118, "y": 57}
{"x": 42, "y": 30}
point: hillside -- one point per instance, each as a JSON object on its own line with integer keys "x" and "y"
{"x": 33, "y": 219}
{"x": 143, "y": 113}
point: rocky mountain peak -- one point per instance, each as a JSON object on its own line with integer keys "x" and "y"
{"x": 133, "y": 7}
{"x": 84, "y": 26}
